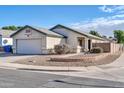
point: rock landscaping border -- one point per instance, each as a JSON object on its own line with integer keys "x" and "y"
{"x": 81, "y": 58}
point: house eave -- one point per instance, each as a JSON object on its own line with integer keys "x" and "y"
{"x": 27, "y": 26}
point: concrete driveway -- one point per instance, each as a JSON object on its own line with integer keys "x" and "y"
{"x": 8, "y": 57}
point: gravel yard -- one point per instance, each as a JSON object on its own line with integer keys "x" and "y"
{"x": 44, "y": 60}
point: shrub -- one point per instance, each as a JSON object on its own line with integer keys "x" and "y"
{"x": 73, "y": 50}
{"x": 62, "y": 49}
{"x": 96, "y": 50}
{"x": 58, "y": 49}
{"x": 51, "y": 51}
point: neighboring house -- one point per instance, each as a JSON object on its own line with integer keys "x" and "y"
{"x": 34, "y": 40}
{"x": 5, "y": 37}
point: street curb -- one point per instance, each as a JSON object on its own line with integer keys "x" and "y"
{"x": 40, "y": 68}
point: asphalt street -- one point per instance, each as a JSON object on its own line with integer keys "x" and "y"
{"x": 32, "y": 79}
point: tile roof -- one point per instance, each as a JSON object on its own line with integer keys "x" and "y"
{"x": 78, "y": 31}
{"x": 39, "y": 29}
{"x": 47, "y": 31}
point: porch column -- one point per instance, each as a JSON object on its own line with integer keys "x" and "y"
{"x": 86, "y": 43}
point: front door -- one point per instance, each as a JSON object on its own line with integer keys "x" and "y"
{"x": 80, "y": 42}
{"x": 89, "y": 44}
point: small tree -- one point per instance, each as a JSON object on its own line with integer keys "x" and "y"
{"x": 119, "y": 35}
{"x": 110, "y": 37}
{"x": 11, "y": 27}
{"x": 95, "y": 33}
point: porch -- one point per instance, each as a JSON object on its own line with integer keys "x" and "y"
{"x": 83, "y": 44}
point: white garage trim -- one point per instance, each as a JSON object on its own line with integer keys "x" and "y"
{"x": 29, "y": 46}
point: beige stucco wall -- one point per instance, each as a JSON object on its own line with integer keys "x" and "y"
{"x": 72, "y": 36}
{"x": 52, "y": 41}
{"x": 34, "y": 35}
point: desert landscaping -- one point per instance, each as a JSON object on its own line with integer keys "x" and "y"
{"x": 76, "y": 60}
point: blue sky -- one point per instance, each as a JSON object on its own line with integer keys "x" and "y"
{"x": 104, "y": 19}
{"x": 46, "y": 15}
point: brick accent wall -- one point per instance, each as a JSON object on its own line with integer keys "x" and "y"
{"x": 109, "y": 47}
{"x": 105, "y": 46}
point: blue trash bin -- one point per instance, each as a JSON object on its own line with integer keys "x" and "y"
{"x": 7, "y": 48}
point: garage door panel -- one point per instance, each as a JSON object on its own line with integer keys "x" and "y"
{"x": 29, "y": 46}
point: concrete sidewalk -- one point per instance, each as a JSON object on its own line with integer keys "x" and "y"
{"x": 23, "y": 66}
{"x": 117, "y": 63}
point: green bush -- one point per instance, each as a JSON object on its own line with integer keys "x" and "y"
{"x": 96, "y": 50}
{"x": 62, "y": 49}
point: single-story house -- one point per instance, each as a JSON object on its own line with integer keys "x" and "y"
{"x": 35, "y": 40}
{"x": 5, "y": 38}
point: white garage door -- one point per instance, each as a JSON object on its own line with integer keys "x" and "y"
{"x": 29, "y": 46}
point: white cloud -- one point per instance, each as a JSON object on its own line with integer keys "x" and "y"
{"x": 118, "y": 16}
{"x": 112, "y": 9}
{"x": 106, "y": 9}
{"x": 103, "y": 25}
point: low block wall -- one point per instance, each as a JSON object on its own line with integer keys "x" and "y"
{"x": 104, "y": 46}
{"x": 116, "y": 47}
{"x": 109, "y": 47}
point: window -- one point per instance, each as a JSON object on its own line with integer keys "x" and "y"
{"x": 27, "y": 31}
